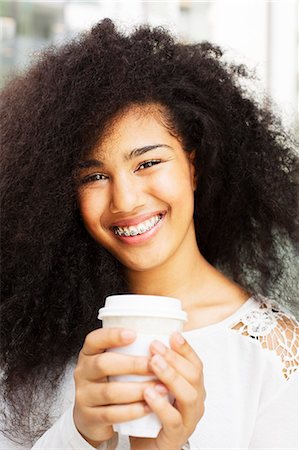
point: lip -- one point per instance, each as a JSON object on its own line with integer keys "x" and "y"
{"x": 136, "y": 220}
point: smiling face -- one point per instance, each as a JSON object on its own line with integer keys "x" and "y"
{"x": 136, "y": 191}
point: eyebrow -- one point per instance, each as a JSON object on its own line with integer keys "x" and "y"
{"x": 128, "y": 157}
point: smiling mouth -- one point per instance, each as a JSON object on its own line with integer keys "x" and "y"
{"x": 141, "y": 228}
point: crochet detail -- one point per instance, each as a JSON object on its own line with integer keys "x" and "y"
{"x": 275, "y": 330}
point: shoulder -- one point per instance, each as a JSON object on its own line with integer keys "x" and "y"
{"x": 274, "y": 329}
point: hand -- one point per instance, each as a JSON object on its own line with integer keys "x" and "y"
{"x": 99, "y": 404}
{"x": 180, "y": 371}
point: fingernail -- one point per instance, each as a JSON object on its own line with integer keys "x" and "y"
{"x": 128, "y": 335}
{"x": 179, "y": 338}
{"x": 159, "y": 362}
{"x": 159, "y": 347}
{"x": 151, "y": 393}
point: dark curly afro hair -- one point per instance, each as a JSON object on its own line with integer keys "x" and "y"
{"x": 55, "y": 277}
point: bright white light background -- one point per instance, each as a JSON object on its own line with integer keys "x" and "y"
{"x": 262, "y": 34}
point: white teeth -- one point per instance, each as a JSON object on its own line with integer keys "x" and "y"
{"x": 125, "y": 231}
{"x": 138, "y": 229}
{"x": 148, "y": 223}
{"x": 141, "y": 228}
{"x": 133, "y": 231}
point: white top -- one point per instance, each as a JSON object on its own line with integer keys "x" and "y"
{"x": 250, "y": 361}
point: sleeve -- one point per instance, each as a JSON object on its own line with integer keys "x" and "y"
{"x": 277, "y": 422}
{"x": 276, "y": 332}
{"x": 63, "y": 435}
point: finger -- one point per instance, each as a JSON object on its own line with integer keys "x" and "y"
{"x": 187, "y": 397}
{"x": 158, "y": 402}
{"x": 99, "y": 340}
{"x": 181, "y": 346}
{"x": 109, "y": 364}
{"x": 189, "y": 371}
{"x": 112, "y": 393}
{"x": 120, "y": 413}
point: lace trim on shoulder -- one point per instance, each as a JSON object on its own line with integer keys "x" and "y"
{"x": 275, "y": 330}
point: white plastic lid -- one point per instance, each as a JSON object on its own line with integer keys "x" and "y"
{"x": 135, "y": 305}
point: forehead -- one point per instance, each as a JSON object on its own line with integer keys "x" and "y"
{"x": 137, "y": 126}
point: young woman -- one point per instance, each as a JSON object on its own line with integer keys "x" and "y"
{"x": 139, "y": 164}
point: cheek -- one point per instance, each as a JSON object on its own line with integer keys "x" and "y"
{"x": 175, "y": 188}
{"x": 90, "y": 207}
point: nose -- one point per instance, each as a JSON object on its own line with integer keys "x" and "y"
{"x": 126, "y": 195}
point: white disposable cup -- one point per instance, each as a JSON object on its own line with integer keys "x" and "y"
{"x": 152, "y": 317}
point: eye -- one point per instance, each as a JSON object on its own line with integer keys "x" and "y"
{"x": 92, "y": 178}
{"x": 148, "y": 164}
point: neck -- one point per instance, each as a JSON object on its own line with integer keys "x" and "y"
{"x": 206, "y": 294}
{"x": 186, "y": 276}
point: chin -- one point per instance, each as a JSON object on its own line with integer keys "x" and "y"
{"x": 141, "y": 265}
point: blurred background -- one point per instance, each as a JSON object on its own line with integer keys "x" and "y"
{"x": 262, "y": 34}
